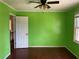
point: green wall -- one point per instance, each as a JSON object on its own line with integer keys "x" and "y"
{"x": 69, "y": 43}
{"x": 45, "y": 28}
{"x": 4, "y": 30}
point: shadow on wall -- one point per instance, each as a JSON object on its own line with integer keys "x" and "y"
{"x": 74, "y": 9}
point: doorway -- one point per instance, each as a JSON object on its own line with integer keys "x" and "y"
{"x": 12, "y": 31}
{"x": 18, "y": 32}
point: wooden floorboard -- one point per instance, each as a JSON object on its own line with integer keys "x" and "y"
{"x": 41, "y": 53}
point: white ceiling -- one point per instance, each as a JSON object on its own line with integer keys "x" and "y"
{"x": 23, "y": 5}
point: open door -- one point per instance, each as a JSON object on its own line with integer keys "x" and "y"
{"x": 21, "y": 32}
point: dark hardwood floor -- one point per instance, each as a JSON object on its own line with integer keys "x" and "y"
{"x": 41, "y": 53}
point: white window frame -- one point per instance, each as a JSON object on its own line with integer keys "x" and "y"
{"x": 76, "y": 27}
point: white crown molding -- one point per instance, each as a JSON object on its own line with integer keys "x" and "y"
{"x": 7, "y": 5}
{"x": 37, "y": 11}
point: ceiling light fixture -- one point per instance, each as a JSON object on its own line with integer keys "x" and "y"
{"x": 44, "y": 4}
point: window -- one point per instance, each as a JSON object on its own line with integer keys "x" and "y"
{"x": 76, "y": 29}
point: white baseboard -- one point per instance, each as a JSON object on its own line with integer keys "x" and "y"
{"x": 72, "y": 52}
{"x": 6, "y": 56}
{"x": 46, "y": 46}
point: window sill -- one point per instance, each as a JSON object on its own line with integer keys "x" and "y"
{"x": 76, "y": 41}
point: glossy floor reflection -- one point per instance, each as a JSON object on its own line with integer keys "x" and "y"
{"x": 41, "y": 53}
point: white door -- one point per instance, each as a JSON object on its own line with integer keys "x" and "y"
{"x": 21, "y": 32}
